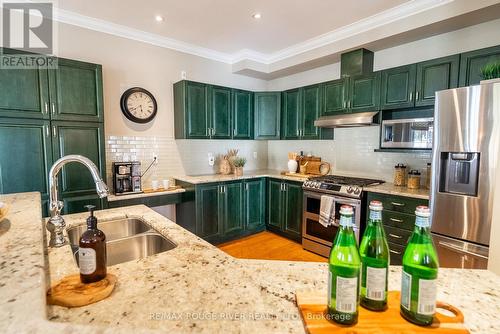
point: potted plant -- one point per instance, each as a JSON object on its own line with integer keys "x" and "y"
{"x": 490, "y": 72}
{"x": 239, "y": 163}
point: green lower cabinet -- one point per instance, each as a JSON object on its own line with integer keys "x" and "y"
{"x": 232, "y": 209}
{"x": 208, "y": 212}
{"x": 267, "y": 115}
{"x": 472, "y": 62}
{"x": 435, "y": 75}
{"x": 285, "y": 208}
{"x": 77, "y": 204}
{"x": 255, "y": 204}
{"x": 25, "y": 155}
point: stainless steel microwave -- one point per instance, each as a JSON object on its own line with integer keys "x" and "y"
{"x": 407, "y": 133}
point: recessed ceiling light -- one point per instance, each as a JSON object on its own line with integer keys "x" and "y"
{"x": 159, "y": 18}
{"x": 257, "y": 16}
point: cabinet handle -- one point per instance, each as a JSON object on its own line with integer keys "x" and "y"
{"x": 397, "y": 204}
{"x": 394, "y": 252}
{"x": 246, "y": 186}
{"x": 395, "y": 236}
{"x": 411, "y": 96}
{"x": 47, "y": 133}
{"x": 349, "y": 103}
{"x": 54, "y": 132}
{"x": 417, "y": 95}
{"x": 46, "y": 108}
{"x": 345, "y": 104}
{"x": 53, "y": 108}
{"x": 234, "y": 132}
{"x": 395, "y": 220}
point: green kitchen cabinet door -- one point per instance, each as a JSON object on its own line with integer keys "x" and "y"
{"x": 364, "y": 93}
{"x": 85, "y": 139}
{"x": 335, "y": 97}
{"x": 291, "y": 119}
{"x": 233, "y": 222}
{"x": 208, "y": 211}
{"x": 255, "y": 204}
{"x": 267, "y": 115}
{"x": 275, "y": 209}
{"x": 293, "y": 212}
{"x": 197, "y": 118}
{"x": 77, "y": 204}
{"x": 472, "y": 62}
{"x": 25, "y": 155}
{"x": 435, "y": 75}
{"x": 24, "y": 93}
{"x": 220, "y": 112}
{"x": 242, "y": 114}
{"x": 398, "y": 87}
{"x": 76, "y": 91}
{"x": 311, "y": 110}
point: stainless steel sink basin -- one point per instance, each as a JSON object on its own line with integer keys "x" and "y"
{"x": 126, "y": 240}
{"x": 114, "y": 229}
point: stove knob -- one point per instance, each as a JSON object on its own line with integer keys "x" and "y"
{"x": 316, "y": 184}
{"x": 306, "y": 184}
{"x": 357, "y": 191}
{"x": 349, "y": 189}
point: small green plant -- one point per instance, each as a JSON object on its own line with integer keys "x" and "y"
{"x": 491, "y": 71}
{"x": 239, "y": 161}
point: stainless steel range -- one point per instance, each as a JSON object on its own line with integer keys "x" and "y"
{"x": 344, "y": 190}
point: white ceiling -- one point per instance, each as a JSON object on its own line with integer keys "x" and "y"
{"x": 227, "y": 26}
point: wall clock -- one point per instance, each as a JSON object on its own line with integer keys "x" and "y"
{"x": 138, "y": 105}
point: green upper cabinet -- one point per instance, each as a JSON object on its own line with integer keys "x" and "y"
{"x": 335, "y": 97}
{"x": 472, "y": 62}
{"x": 293, "y": 214}
{"x": 267, "y": 115}
{"x": 398, "y": 87}
{"x": 86, "y": 139}
{"x": 291, "y": 118}
{"x": 208, "y": 211}
{"x": 76, "y": 91}
{"x": 255, "y": 203}
{"x": 220, "y": 112}
{"x": 191, "y": 116}
{"x": 232, "y": 206}
{"x": 435, "y": 75}
{"x": 311, "y": 110}
{"x": 24, "y": 93}
{"x": 242, "y": 114}
{"x": 364, "y": 92}
{"x": 25, "y": 155}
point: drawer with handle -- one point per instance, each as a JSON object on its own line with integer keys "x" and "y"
{"x": 396, "y": 235}
{"x": 398, "y": 203}
{"x": 399, "y": 220}
{"x": 396, "y": 253}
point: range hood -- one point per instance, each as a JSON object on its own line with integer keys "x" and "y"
{"x": 346, "y": 120}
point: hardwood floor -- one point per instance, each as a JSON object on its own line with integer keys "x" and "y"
{"x": 269, "y": 246}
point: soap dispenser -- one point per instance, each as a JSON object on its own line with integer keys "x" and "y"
{"x": 92, "y": 251}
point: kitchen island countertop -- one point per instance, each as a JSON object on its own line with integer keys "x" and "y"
{"x": 193, "y": 288}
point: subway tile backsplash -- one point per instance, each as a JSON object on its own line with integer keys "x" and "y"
{"x": 352, "y": 151}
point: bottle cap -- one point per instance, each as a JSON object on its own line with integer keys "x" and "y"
{"x": 346, "y": 210}
{"x": 91, "y": 220}
{"x": 376, "y": 206}
{"x": 414, "y": 172}
{"x": 423, "y": 211}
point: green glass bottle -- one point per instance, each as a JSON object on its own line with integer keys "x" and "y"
{"x": 343, "y": 274}
{"x": 374, "y": 252}
{"x": 420, "y": 271}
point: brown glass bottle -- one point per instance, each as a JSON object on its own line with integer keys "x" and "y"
{"x": 92, "y": 251}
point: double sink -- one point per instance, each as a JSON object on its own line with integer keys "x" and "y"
{"x": 127, "y": 239}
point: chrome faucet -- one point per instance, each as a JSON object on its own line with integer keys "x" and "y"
{"x": 56, "y": 224}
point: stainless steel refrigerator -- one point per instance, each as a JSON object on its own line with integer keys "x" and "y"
{"x": 464, "y": 166}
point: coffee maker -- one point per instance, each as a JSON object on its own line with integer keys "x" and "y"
{"x": 127, "y": 177}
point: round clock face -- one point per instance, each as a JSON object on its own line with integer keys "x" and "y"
{"x": 138, "y": 105}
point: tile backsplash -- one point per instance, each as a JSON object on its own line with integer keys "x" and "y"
{"x": 352, "y": 151}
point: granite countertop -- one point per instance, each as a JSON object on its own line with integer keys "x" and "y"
{"x": 391, "y": 189}
{"x": 193, "y": 288}
{"x": 199, "y": 179}
{"x": 112, "y": 198}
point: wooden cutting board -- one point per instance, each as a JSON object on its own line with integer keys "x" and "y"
{"x": 314, "y": 167}
{"x": 312, "y": 306}
{"x": 71, "y": 292}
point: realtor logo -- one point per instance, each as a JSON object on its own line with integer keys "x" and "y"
{"x": 27, "y": 29}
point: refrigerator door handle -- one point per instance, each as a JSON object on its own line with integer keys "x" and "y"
{"x": 461, "y": 250}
